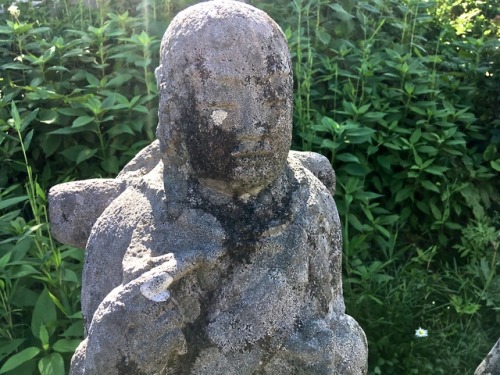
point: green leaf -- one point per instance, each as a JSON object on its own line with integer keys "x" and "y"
{"x": 453, "y": 226}
{"x": 495, "y": 164}
{"x": 50, "y": 144}
{"x": 5, "y": 30}
{"x": 354, "y": 170}
{"x": 74, "y": 330}
{"x": 28, "y": 118}
{"x": 84, "y": 155}
{"x": 82, "y": 120}
{"x": 44, "y": 337}
{"x": 92, "y": 80}
{"x": 9, "y": 346}
{"x": 109, "y": 101}
{"x": 4, "y": 260}
{"x": 21, "y": 248}
{"x": 418, "y": 110}
{"x": 403, "y": 194}
{"x": 382, "y": 230}
{"x": 53, "y": 364}
{"x": 44, "y": 313}
{"x": 78, "y": 153}
{"x": 426, "y": 149}
{"x": 66, "y": 345}
{"x": 12, "y": 201}
{"x": 340, "y": 13}
{"x": 485, "y": 268}
{"x": 418, "y": 159}
{"x": 353, "y": 220}
{"x": 373, "y": 116}
{"x": 415, "y": 136}
{"x": 409, "y": 87}
{"x": 120, "y": 129}
{"x": 142, "y": 63}
{"x": 430, "y": 186}
{"x": 16, "y": 66}
{"x": 347, "y": 157}
{"x": 47, "y": 116}
{"x": 68, "y": 130}
{"x": 329, "y": 144}
{"x": 15, "y": 116}
{"x": 359, "y": 134}
{"x": 436, "y": 170}
{"x": 58, "y": 304}
{"x": 18, "y": 359}
{"x": 58, "y": 68}
{"x": 323, "y": 36}
{"x": 435, "y": 211}
{"x": 25, "y": 270}
{"x": 71, "y": 111}
{"x": 141, "y": 109}
{"x": 27, "y": 139}
{"x": 388, "y": 219}
{"x": 119, "y": 80}
{"x": 111, "y": 164}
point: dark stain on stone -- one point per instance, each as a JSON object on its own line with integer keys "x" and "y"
{"x": 201, "y": 68}
{"x": 202, "y": 140}
{"x": 126, "y": 367}
{"x": 196, "y": 338}
{"x": 316, "y": 287}
{"x": 244, "y": 223}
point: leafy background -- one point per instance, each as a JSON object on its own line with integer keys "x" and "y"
{"x": 402, "y": 97}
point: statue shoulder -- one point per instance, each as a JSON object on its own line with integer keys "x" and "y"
{"x": 317, "y": 164}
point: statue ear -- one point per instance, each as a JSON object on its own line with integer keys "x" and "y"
{"x": 158, "y": 73}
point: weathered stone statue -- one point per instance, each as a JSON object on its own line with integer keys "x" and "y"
{"x": 216, "y": 250}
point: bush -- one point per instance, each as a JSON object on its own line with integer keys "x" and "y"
{"x": 78, "y": 100}
{"x": 403, "y": 103}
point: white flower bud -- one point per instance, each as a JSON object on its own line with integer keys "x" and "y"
{"x": 14, "y": 11}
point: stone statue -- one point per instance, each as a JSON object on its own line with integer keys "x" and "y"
{"x": 216, "y": 250}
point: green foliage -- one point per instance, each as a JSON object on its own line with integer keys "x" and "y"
{"x": 39, "y": 282}
{"x": 404, "y": 102}
{"x": 77, "y": 100}
{"x": 401, "y": 96}
{"x": 89, "y": 118}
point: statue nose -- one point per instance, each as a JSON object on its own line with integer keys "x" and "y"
{"x": 252, "y": 132}
{"x": 251, "y": 113}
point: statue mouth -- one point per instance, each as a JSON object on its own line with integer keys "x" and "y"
{"x": 253, "y": 148}
{"x": 250, "y": 154}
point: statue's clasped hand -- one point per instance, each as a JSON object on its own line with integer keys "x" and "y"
{"x": 166, "y": 269}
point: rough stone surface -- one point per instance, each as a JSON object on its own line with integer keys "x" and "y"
{"x": 220, "y": 252}
{"x": 491, "y": 364}
{"x": 75, "y": 206}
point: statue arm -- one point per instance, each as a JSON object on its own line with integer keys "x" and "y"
{"x": 75, "y": 206}
{"x": 140, "y": 312}
{"x": 131, "y": 332}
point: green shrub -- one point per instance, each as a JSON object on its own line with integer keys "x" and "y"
{"x": 77, "y": 101}
{"x": 404, "y": 106}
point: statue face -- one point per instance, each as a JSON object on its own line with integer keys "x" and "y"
{"x": 225, "y": 90}
{"x": 239, "y": 130}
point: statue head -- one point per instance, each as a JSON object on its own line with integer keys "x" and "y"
{"x": 225, "y": 86}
